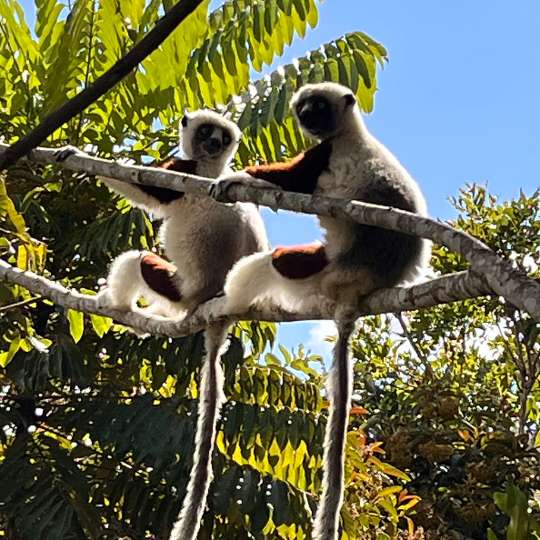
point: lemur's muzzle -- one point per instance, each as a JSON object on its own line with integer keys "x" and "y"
{"x": 212, "y": 145}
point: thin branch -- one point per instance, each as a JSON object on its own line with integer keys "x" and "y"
{"x": 163, "y": 28}
{"x": 528, "y": 376}
{"x": 22, "y": 303}
{"x": 501, "y": 279}
{"x": 416, "y": 347}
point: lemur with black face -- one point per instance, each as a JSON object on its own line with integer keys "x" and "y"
{"x": 354, "y": 260}
{"x": 203, "y": 239}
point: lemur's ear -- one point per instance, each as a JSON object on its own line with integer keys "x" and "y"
{"x": 349, "y": 100}
{"x": 185, "y": 119}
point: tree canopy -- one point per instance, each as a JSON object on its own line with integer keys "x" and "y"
{"x": 98, "y": 424}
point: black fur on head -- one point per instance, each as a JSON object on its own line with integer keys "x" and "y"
{"x": 208, "y": 135}
{"x": 321, "y": 108}
{"x": 212, "y": 138}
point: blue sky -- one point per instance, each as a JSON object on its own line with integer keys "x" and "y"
{"x": 457, "y": 103}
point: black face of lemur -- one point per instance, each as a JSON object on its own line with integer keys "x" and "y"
{"x": 211, "y": 139}
{"x": 319, "y": 115}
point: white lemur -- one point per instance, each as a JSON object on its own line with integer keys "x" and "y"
{"x": 203, "y": 239}
{"x": 355, "y": 259}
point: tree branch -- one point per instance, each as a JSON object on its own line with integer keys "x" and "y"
{"x": 20, "y": 304}
{"x": 498, "y": 274}
{"x": 163, "y": 28}
{"x": 450, "y": 288}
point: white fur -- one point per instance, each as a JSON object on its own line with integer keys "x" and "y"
{"x": 135, "y": 196}
{"x": 206, "y": 116}
{"x": 124, "y": 282}
{"x": 210, "y": 401}
{"x": 125, "y": 285}
{"x": 179, "y": 235}
{"x": 356, "y": 158}
{"x": 254, "y": 279}
{"x": 188, "y": 223}
{"x": 356, "y": 155}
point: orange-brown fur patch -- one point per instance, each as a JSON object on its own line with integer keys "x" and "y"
{"x": 300, "y": 174}
{"x": 188, "y": 166}
{"x": 164, "y": 195}
{"x": 297, "y": 262}
{"x": 159, "y": 276}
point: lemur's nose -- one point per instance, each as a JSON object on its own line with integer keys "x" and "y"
{"x": 212, "y": 145}
{"x": 309, "y": 118}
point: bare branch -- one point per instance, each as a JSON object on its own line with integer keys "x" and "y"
{"x": 20, "y": 304}
{"x": 450, "y": 288}
{"x": 163, "y": 28}
{"x": 415, "y": 346}
{"x": 502, "y": 280}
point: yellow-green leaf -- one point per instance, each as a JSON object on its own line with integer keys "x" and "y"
{"x": 76, "y": 324}
{"x": 101, "y": 325}
{"x": 6, "y": 357}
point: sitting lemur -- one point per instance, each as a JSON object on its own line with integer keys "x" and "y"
{"x": 354, "y": 259}
{"x": 203, "y": 239}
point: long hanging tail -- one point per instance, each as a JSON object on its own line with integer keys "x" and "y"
{"x": 339, "y": 387}
{"x": 211, "y": 398}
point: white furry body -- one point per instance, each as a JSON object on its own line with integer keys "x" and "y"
{"x": 358, "y": 167}
{"x": 358, "y": 160}
{"x": 198, "y": 233}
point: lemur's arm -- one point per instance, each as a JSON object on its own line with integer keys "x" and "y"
{"x": 300, "y": 174}
{"x": 153, "y": 198}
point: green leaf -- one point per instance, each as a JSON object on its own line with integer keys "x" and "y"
{"x": 243, "y": 35}
{"x": 514, "y": 503}
{"x": 76, "y": 324}
{"x": 389, "y": 469}
{"x": 14, "y": 346}
{"x": 7, "y": 207}
{"x": 100, "y": 324}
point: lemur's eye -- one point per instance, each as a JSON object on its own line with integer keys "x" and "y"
{"x": 205, "y": 130}
{"x": 226, "y": 138}
{"x": 320, "y": 105}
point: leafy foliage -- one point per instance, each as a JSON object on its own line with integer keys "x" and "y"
{"x": 97, "y": 425}
{"x": 454, "y": 391}
{"x": 513, "y": 502}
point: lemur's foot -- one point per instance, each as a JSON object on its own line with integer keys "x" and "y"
{"x": 218, "y": 189}
{"x": 105, "y": 300}
{"x": 67, "y": 151}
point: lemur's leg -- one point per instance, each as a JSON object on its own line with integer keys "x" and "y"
{"x": 284, "y": 275}
{"x": 140, "y": 273}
